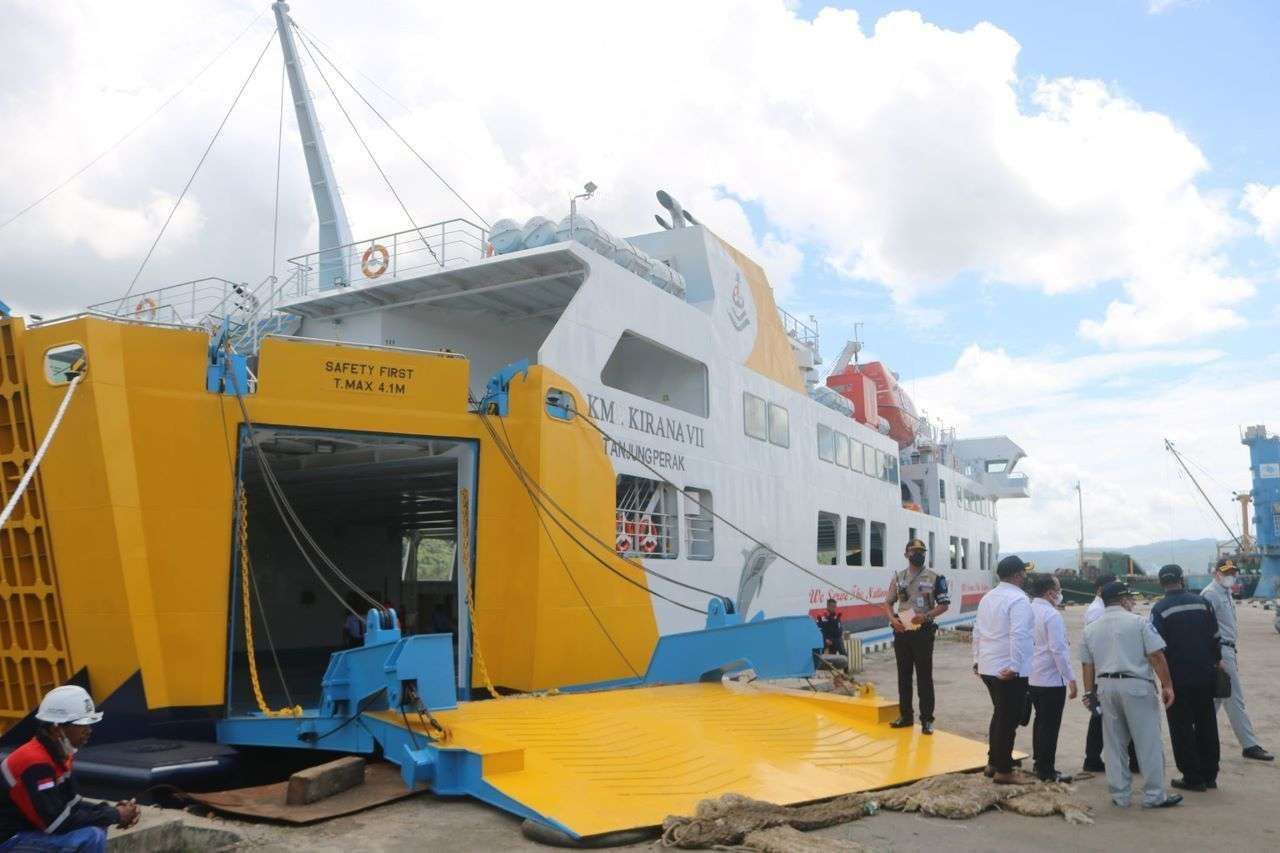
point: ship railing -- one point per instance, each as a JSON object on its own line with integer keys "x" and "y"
{"x": 799, "y": 331}
{"x": 640, "y": 533}
{"x": 404, "y": 254}
{"x": 699, "y": 532}
{"x": 187, "y": 303}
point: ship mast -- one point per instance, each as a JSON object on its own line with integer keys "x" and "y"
{"x": 1080, "y": 541}
{"x": 335, "y": 232}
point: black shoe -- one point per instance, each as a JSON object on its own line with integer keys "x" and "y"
{"x": 1212, "y": 784}
{"x": 1169, "y": 802}
{"x": 1184, "y": 785}
{"x": 1094, "y": 767}
{"x": 926, "y": 727}
{"x": 902, "y": 723}
{"x": 1257, "y": 753}
{"x": 988, "y": 771}
{"x": 1055, "y": 776}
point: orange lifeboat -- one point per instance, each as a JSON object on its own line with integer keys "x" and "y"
{"x": 878, "y": 400}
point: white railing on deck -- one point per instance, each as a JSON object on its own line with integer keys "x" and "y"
{"x": 799, "y": 331}
{"x": 187, "y": 303}
{"x": 408, "y": 253}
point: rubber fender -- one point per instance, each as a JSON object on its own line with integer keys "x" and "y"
{"x": 540, "y": 833}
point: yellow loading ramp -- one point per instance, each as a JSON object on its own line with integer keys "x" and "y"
{"x": 627, "y": 758}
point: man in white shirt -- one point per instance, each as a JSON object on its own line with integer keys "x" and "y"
{"x": 1052, "y": 679}
{"x": 1093, "y": 740}
{"x": 1002, "y": 652}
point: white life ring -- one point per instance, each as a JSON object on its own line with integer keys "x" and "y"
{"x": 622, "y": 540}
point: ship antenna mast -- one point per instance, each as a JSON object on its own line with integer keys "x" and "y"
{"x": 335, "y": 231}
{"x": 1168, "y": 445}
{"x": 1080, "y": 541}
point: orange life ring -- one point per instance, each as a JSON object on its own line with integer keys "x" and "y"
{"x": 372, "y": 270}
{"x": 622, "y": 541}
{"x": 648, "y": 540}
{"x": 148, "y": 305}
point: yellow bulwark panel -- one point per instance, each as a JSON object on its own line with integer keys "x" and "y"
{"x": 772, "y": 355}
{"x": 139, "y": 485}
{"x": 33, "y": 647}
{"x": 624, "y": 759}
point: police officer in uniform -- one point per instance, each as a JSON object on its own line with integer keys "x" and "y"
{"x": 1121, "y": 655}
{"x": 1190, "y": 631}
{"x": 916, "y": 597}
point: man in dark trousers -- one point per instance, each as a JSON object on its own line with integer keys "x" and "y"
{"x": 1003, "y": 647}
{"x": 40, "y": 807}
{"x": 920, "y": 596}
{"x": 832, "y": 631}
{"x": 1189, "y": 628}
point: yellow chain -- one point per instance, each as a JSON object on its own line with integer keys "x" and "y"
{"x": 296, "y": 710}
{"x": 464, "y": 558}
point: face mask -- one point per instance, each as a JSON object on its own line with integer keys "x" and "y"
{"x": 1054, "y": 598}
{"x": 67, "y": 748}
{"x": 1227, "y": 582}
{"x": 916, "y": 559}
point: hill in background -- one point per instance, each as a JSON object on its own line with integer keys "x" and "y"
{"x": 1194, "y": 555}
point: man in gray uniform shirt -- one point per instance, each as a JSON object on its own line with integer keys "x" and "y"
{"x": 1121, "y": 655}
{"x": 1218, "y": 594}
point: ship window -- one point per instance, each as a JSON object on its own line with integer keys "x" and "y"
{"x": 955, "y": 553}
{"x": 755, "y": 416}
{"x": 853, "y": 528}
{"x": 964, "y": 555}
{"x": 855, "y": 454}
{"x": 699, "y": 524}
{"x": 826, "y": 444}
{"x": 997, "y": 466}
{"x": 646, "y": 518}
{"x": 869, "y": 460}
{"x": 779, "y": 426}
{"x": 942, "y": 490}
{"x": 911, "y": 534}
{"x": 59, "y": 360}
{"x": 931, "y": 547}
{"x": 877, "y": 543}
{"x": 842, "y": 450}
{"x": 647, "y": 369}
{"x": 560, "y": 404}
{"x": 828, "y": 530}
{"x": 891, "y": 468}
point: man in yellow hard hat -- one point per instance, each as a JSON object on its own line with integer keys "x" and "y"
{"x": 917, "y": 596}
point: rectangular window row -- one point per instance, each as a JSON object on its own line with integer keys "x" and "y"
{"x": 846, "y": 452}
{"x": 855, "y": 543}
{"x": 648, "y": 520}
{"x": 960, "y": 555}
{"x": 766, "y": 421}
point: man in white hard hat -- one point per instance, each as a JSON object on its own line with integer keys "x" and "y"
{"x": 40, "y": 807}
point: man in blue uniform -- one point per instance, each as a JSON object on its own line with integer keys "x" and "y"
{"x": 1190, "y": 631}
{"x": 832, "y": 632}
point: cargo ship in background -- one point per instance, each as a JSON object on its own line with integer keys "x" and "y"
{"x": 552, "y": 443}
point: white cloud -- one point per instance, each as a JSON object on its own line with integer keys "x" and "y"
{"x": 1101, "y": 420}
{"x": 1263, "y": 204}
{"x": 905, "y": 153}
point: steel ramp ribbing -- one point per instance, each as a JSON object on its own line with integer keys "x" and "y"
{"x": 623, "y": 759}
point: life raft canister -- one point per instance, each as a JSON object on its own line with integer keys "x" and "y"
{"x": 376, "y": 261}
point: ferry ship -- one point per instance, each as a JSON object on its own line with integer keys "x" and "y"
{"x": 554, "y": 444}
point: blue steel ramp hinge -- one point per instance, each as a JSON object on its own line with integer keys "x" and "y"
{"x": 720, "y": 613}
{"x": 496, "y": 398}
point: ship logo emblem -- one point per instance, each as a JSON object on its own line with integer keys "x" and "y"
{"x": 738, "y": 310}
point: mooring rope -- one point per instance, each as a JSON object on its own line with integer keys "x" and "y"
{"x": 44, "y": 446}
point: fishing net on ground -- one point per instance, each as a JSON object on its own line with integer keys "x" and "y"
{"x": 737, "y": 820}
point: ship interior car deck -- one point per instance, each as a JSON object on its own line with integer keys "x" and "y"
{"x": 382, "y": 507}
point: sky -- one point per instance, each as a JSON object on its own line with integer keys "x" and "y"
{"x": 1058, "y": 221}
